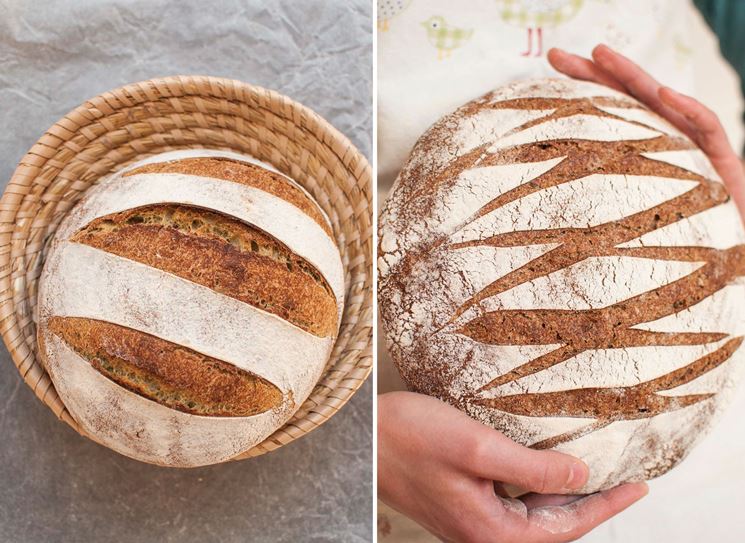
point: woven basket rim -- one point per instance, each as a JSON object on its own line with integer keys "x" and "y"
{"x": 351, "y": 361}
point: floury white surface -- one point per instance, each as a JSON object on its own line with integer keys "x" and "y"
{"x": 82, "y": 281}
{"x": 440, "y": 264}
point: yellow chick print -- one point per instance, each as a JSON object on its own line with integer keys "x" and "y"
{"x": 444, "y": 36}
{"x": 535, "y": 15}
{"x": 387, "y": 10}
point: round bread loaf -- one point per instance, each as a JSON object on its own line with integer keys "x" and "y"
{"x": 188, "y": 305}
{"x": 565, "y": 266}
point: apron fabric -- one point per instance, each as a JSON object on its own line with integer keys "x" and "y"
{"x": 435, "y": 55}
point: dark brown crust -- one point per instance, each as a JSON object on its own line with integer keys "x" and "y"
{"x": 621, "y": 403}
{"x": 221, "y": 253}
{"x": 611, "y": 326}
{"x": 245, "y": 173}
{"x": 166, "y": 373}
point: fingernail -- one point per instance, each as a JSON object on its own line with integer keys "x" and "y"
{"x": 601, "y": 53}
{"x": 577, "y": 475}
{"x": 602, "y": 48}
{"x": 644, "y": 488}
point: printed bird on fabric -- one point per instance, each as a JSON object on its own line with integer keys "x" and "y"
{"x": 535, "y": 15}
{"x": 387, "y": 10}
{"x": 444, "y": 36}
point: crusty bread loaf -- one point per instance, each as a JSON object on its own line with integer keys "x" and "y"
{"x": 565, "y": 266}
{"x": 188, "y": 305}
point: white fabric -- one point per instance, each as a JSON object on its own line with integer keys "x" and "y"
{"x": 420, "y": 79}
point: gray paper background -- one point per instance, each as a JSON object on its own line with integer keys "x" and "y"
{"x": 56, "y": 486}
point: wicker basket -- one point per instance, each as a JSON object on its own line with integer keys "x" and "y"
{"x": 141, "y": 119}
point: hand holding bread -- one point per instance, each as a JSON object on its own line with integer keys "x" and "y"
{"x": 438, "y": 466}
{"x": 690, "y": 116}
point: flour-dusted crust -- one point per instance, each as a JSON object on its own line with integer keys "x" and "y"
{"x": 251, "y": 205}
{"x": 105, "y": 266}
{"x": 565, "y": 266}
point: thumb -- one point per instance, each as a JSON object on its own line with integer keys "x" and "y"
{"x": 543, "y": 472}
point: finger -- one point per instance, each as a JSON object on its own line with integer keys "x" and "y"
{"x": 634, "y": 79}
{"x": 581, "y": 68}
{"x": 515, "y": 506}
{"x": 532, "y": 500}
{"x": 563, "y": 518}
{"x": 495, "y": 457}
{"x": 569, "y": 522}
{"x": 710, "y": 134}
{"x": 637, "y": 82}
